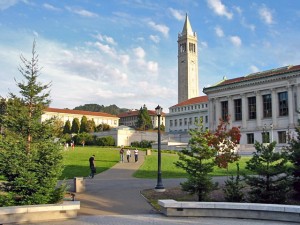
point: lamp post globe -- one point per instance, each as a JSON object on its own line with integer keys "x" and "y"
{"x": 159, "y": 186}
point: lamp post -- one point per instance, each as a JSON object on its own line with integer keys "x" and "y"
{"x": 159, "y": 186}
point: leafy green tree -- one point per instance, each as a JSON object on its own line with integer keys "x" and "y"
{"x": 197, "y": 162}
{"x": 112, "y": 109}
{"x": 90, "y": 126}
{"x": 58, "y": 127}
{"x": 273, "y": 179}
{"x": 83, "y": 125}
{"x": 144, "y": 121}
{"x": 75, "y": 126}
{"x": 67, "y": 127}
{"x": 102, "y": 127}
{"x": 30, "y": 160}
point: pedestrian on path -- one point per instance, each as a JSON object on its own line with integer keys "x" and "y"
{"x": 128, "y": 155}
{"x": 136, "y": 155}
{"x": 122, "y": 155}
{"x": 92, "y": 166}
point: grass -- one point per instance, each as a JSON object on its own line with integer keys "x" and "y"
{"x": 169, "y": 170}
{"x": 77, "y": 161}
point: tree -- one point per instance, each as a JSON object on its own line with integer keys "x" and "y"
{"x": 58, "y": 127}
{"x": 30, "y": 161}
{"x": 197, "y": 162}
{"x": 75, "y": 126}
{"x": 273, "y": 180}
{"x": 294, "y": 150}
{"x": 144, "y": 120}
{"x": 67, "y": 127}
{"x": 90, "y": 126}
{"x": 83, "y": 125}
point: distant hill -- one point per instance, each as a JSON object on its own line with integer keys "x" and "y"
{"x": 112, "y": 109}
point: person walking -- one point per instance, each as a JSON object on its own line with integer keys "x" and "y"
{"x": 92, "y": 166}
{"x": 122, "y": 155}
{"x": 136, "y": 155}
{"x": 128, "y": 154}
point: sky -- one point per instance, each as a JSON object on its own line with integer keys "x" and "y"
{"x": 124, "y": 52}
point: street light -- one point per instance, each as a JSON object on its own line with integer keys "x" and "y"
{"x": 159, "y": 186}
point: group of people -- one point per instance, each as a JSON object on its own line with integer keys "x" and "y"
{"x": 128, "y": 155}
{"x": 122, "y": 151}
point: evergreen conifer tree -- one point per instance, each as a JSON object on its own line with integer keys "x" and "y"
{"x": 30, "y": 160}
{"x": 144, "y": 120}
{"x": 75, "y": 126}
{"x": 83, "y": 125}
{"x": 67, "y": 127}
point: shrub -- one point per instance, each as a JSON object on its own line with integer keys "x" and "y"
{"x": 105, "y": 141}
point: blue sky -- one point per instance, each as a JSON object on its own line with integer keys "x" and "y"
{"x": 124, "y": 52}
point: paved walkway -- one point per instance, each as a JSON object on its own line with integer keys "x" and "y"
{"x": 113, "y": 197}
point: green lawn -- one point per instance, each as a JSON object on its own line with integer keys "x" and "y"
{"x": 169, "y": 170}
{"x": 77, "y": 161}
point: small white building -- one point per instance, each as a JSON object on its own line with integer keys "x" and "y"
{"x": 68, "y": 114}
{"x": 261, "y": 104}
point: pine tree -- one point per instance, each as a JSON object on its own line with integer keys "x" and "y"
{"x": 90, "y": 126}
{"x": 197, "y": 162}
{"x": 30, "y": 160}
{"x": 83, "y": 125}
{"x": 67, "y": 127}
{"x": 273, "y": 180}
{"x": 75, "y": 126}
{"x": 144, "y": 120}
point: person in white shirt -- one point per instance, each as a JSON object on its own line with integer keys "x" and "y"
{"x": 128, "y": 154}
{"x": 136, "y": 155}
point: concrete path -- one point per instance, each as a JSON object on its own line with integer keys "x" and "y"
{"x": 113, "y": 197}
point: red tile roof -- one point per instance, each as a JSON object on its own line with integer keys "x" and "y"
{"x": 259, "y": 75}
{"x": 192, "y": 101}
{"x": 81, "y": 112}
{"x": 136, "y": 112}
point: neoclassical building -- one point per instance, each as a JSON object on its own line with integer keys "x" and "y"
{"x": 68, "y": 114}
{"x": 262, "y": 104}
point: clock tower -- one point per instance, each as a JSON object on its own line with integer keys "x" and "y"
{"x": 187, "y": 63}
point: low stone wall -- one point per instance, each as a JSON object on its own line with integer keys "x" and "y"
{"x": 34, "y": 213}
{"x": 277, "y": 212}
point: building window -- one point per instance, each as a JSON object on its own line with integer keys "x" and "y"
{"x": 283, "y": 103}
{"x": 180, "y": 122}
{"x": 252, "y": 107}
{"x": 267, "y": 105}
{"x": 206, "y": 119}
{"x": 265, "y": 137}
{"x": 201, "y": 119}
{"x": 281, "y": 137}
{"x": 196, "y": 119}
{"x": 190, "y": 121}
{"x": 250, "y": 138}
{"x": 175, "y": 123}
{"x": 185, "y": 121}
{"x": 224, "y": 108}
{"x": 171, "y": 123}
{"x": 238, "y": 109}
{"x": 182, "y": 48}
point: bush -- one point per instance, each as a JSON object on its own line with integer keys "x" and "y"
{"x": 89, "y": 139}
{"x": 105, "y": 141}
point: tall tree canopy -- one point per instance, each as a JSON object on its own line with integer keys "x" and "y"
{"x": 30, "y": 160}
{"x": 144, "y": 120}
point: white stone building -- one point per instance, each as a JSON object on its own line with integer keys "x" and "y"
{"x": 263, "y": 103}
{"x": 68, "y": 114}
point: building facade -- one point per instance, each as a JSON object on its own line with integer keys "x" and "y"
{"x": 68, "y": 114}
{"x": 264, "y": 105}
{"x": 131, "y": 117}
{"x": 187, "y": 63}
{"x": 187, "y": 114}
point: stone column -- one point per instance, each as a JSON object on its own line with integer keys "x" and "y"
{"x": 218, "y": 112}
{"x": 211, "y": 113}
{"x": 274, "y": 107}
{"x": 291, "y": 106}
{"x": 230, "y": 111}
{"x": 244, "y": 111}
{"x": 298, "y": 97}
{"x": 259, "y": 109}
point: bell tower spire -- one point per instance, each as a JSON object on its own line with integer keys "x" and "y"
{"x": 187, "y": 63}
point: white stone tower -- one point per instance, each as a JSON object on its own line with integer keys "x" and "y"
{"x": 187, "y": 63}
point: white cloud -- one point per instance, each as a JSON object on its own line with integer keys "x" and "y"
{"x": 235, "y": 40}
{"x": 266, "y": 15}
{"x": 219, "y": 8}
{"x": 152, "y": 66}
{"x": 254, "y": 69}
{"x": 219, "y": 31}
{"x": 51, "y": 7}
{"x": 5, "y": 4}
{"x": 154, "y": 38}
{"x": 82, "y": 12}
{"x": 106, "y": 39}
{"x": 106, "y": 49}
{"x": 139, "y": 52}
{"x": 160, "y": 28}
{"x": 203, "y": 44}
{"x": 238, "y": 9}
{"x": 177, "y": 14}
